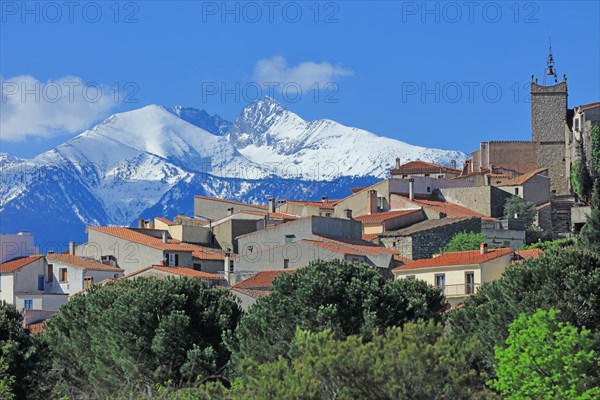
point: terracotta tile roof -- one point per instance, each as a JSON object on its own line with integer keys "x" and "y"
{"x": 231, "y": 202}
{"x": 401, "y": 259}
{"x": 358, "y": 245}
{"x": 334, "y": 248}
{"x": 165, "y": 221}
{"x": 422, "y": 167}
{"x": 262, "y": 280}
{"x": 330, "y": 204}
{"x": 427, "y": 225}
{"x": 273, "y": 215}
{"x": 456, "y": 258}
{"x": 80, "y": 262}
{"x": 180, "y": 271}
{"x": 542, "y": 206}
{"x": 448, "y": 208}
{"x": 204, "y": 253}
{"x": 589, "y": 106}
{"x": 370, "y": 236}
{"x": 190, "y": 220}
{"x": 518, "y": 181}
{"x": 530, "y": 254}
{"x": 18, "y": 263}
{"x": 36, "y": 328}
{"x": 384, "y": 216}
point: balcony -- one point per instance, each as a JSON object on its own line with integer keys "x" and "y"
{"x": 461, "y": 290}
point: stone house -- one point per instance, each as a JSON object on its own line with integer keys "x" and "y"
{"x": 533, "y": 186}
{"x": 212, "y": 208}
{"x": 424, "y": 169}
{"x": 374, "y": 224}
{"x": 426, "y": 238}
{"x": 69, "y": 274}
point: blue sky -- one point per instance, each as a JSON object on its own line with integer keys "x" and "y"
{"x": 437, "y": 74}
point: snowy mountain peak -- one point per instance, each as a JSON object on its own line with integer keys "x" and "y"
{"x": 202, "y": 119}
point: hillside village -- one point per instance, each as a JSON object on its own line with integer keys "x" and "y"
{"x": 398, "y": 226}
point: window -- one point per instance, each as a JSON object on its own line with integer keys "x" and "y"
{"x": 286, "y": 263}
{"x": 410, "y": 277}
{"x": 289, "y": 238}
{"x": 173, "y": 260}
{"x": 230, "y": 265}
{"x": 516, "y": 191}
{"x": 88, "y": 281}
{"x": 62, "y": 274}
{"x": 28, "y": 304}
{"x": 198, "y": 266}
{"x": 404, "y": 176}
{"x": 440, "y": 176}
{"x": 379, "y": 202}
{"x": 440, "y": 281}
{"x": 50, "y": 276}
{"x": 328, "y": 214}
{"x": 426, "y": 175}
{"x": 428, "y": 189}
{"x": 41, "y": 283}
{"x": 469, "y": 282}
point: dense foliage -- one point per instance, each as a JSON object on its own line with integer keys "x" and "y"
{"x": 581, "y": 179}
{"x": 567, "y": 280}
{"x": 589, "y": 237}
{"x": 22, "y": 358}
{"x": 595, "y": 147}
{"x": 121, "y": 336}
{"x": 551, "y": 244}
{"x": 523, "y": 209}
{"x": 546, "y": 359}
{"x": 347, "y": 298}
{"x": 464, "y": 241}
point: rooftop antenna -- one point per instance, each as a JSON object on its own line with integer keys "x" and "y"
{"x": 550, "y": 69}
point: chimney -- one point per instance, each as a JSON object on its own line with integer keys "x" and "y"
{"x": 325, "y": 199}
{"x": 411, "y": 189}
{"x": 348, "y": 213}
{"x": 72, "y": 248}
{"x": 372, "y": 199}
{"x": 230, "y": 211}
{"x": 141, "y": 223}
{"x": 398, "y": 162}
{"x": 483, "y": 248}
{"x": 228, "y": 266}
{"x": 164, "y": 237}
{"x": 453, "y": 164}
{"x": 271, "y": 204}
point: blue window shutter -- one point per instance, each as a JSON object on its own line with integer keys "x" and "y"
{"x": 41, "y": 282}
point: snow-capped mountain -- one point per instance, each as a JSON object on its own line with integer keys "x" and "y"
{"x": 154, "y": 159}
{"x": 269, "y": 134}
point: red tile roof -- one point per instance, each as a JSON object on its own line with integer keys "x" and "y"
{"x": 589, "y": 106}
{"x": 384, "y": 216}
{"x": 448, "y": 208}
{"x": 329, "y": 204}
{"x": 456, "y": 258}
{"x": 262, "y": 280}
{"x": 530, "y": 254}
{"x": 80, "y": 262}
{"x": 273, "y": 215}
{"x": 359, "y": 245}
{"x": 18, "y": 263}
{"x": 370, "y": 236}
{"x": 134, "y": 236}
{"x": 518, "y": 181}
{"x": 231, "y": 202}
{"x": 165, "y": 221}
{"x": 334, "y": 248}
{"x": 422, "y": 167}
{"x": 180, "y": 271}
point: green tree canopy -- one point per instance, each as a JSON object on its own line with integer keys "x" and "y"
{"x": 546, "y": 359}
{"x": 523, "y": 209}
{"x": 413, "y": 362}
{"x": 346, "y": 298}
{"x": 119, "y": 336}
{"x": 22, "y": 366}
{"x": 595, "y": 150}
{"x": 464, "y": 241}
{"x": 589, "y": 237}
{"x": 567, "y": 280}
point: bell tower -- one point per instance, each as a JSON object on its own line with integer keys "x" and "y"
{"x": 549, "y": 110}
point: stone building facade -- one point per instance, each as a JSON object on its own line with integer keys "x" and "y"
{"x": 424, "y": 239}
{"x": 549, "y": 110}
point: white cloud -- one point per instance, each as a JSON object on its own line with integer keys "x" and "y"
{"x": 30, "y": 108}
{"x": 305, "y": 74}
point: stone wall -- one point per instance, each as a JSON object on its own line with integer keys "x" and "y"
{"x": 487, "y": 200}
{"x": 426, "y": 243}
{"x": 548, "y": 120}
